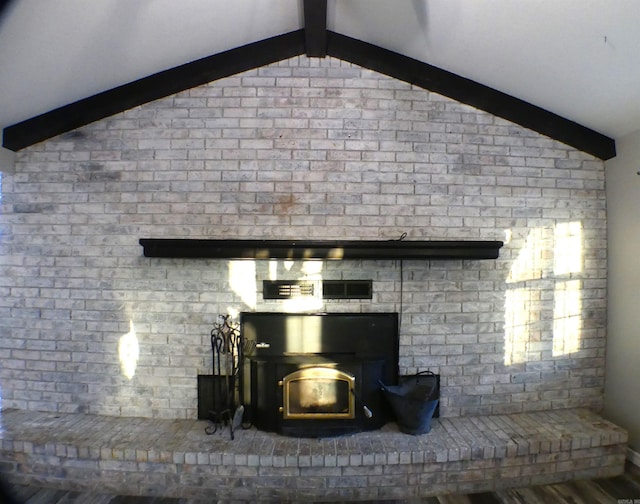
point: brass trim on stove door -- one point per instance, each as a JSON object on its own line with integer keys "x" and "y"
{"x": 319, "y": 379}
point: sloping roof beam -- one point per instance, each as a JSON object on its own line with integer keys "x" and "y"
{"x": 272, "y": 50}
{"x": 470, "y": 92}
{"x": 159, "y": 85}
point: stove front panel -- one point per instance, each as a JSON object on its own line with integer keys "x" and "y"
{"x": 359, "y": 349}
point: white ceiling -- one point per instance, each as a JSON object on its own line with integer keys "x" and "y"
{"x": 577, "y": 58}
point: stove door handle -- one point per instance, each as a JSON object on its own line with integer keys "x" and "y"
{"x": 367, "y": 412}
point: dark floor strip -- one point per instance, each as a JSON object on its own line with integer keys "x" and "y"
{"x": 620, "y": 487}
{"x": 624, "y": 488}
{"x": 484, "y": 498}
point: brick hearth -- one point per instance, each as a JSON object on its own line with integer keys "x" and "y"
{"x": 141, "y": 456}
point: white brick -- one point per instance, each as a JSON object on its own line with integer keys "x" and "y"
{"x": 301, "y": 149}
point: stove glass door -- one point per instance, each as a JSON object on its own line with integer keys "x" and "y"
{"x": 318, "y": 393}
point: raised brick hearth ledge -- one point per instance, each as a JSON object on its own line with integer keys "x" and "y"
{"x": 140, "y": 456}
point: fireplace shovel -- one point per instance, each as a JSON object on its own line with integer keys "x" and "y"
{"x": 413, "y": 401}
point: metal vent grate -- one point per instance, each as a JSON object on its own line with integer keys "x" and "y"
{"x": 331, "y": 289}
{"x": 287, "y": 289}
{"x": 347, "y": 289}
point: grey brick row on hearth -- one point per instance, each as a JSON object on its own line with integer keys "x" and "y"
{"x": 176, "y": 458}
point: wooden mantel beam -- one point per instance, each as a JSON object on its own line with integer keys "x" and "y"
{"x": 319, "y": 249}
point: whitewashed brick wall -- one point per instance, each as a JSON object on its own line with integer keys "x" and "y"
{"x": 302, "y": 149}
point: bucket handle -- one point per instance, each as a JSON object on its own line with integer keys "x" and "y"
{"x": 417, "y": 375}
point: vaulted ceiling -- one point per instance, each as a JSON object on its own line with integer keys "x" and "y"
{"x": 577, "y": 59}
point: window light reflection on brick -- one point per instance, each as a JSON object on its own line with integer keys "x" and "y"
{"x": 567, "y": 317}
{"x": 311, "y": 272}
{"x": 242, "y": 280}
{"x": 550, "y": 258}
{"x": 129, "y": 352}
{"x": 567, "y": 311}
{"x": 522, "y": 298}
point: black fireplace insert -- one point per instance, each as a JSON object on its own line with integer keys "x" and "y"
{"x": 317, "y": 375}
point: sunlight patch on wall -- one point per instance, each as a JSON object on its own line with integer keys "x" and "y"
{"x": 522, "y": 303}
{"x": 567, "y": 317}
{"x": 273, "y": 269}
{"x": 530, "y": 262}
{"x": 310, "y": 327}
{"x": 567, "y": 310}
{"x": 547, "y": 260}
{"x": 129, "y": 352}
{"x": 567, "y": 252}
{"x": 242, "y": 280}
{"x": 311, "y": 271}
{"x": 518, "y": 324}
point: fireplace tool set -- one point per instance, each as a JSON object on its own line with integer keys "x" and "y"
{"x": 228, "y": 351}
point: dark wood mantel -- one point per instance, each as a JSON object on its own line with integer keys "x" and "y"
{"x": 320, "y": 249}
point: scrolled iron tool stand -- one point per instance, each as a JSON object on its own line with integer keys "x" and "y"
{"x": 413, "y": 401}
{"x": 227, "y": 355}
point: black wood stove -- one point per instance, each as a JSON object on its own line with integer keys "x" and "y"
{"x": 316, "y": 375}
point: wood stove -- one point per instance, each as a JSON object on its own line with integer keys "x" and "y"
{"x": 315, "y": 375}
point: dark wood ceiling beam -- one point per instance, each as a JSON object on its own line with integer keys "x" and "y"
{"x": 108, "y": 103}
{"x": 315, "y": 28}
{"x": 159, "y": 85}
{"x": 3, "y": 6}
{"x": 470, "y": 92}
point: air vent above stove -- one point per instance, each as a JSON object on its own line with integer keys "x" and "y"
{"x": 330, "y": 289}
{"x": 347, "y": 289}
{"x": 287, "y": 289}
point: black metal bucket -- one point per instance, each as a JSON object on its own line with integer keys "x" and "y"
{"x": 414, "y": 401}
